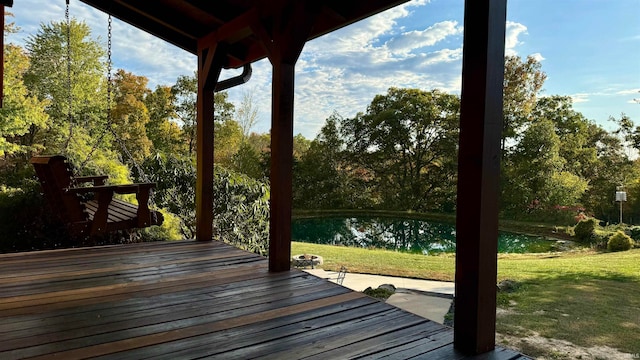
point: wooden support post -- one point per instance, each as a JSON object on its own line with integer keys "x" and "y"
{"x": 209, "y": 67}
{"x": 478, "y": 175}
{"x": 281, "y": 165}
{"x": 283, "y": 43}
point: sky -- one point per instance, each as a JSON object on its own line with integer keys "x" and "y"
{"x": 589, "y": 49}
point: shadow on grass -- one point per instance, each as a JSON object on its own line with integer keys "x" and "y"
{"x": 585, "y": 309}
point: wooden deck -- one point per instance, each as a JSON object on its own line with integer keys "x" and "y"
{"x": 186, "y": 300}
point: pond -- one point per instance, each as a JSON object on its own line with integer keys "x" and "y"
{"x": 400, "y": 234}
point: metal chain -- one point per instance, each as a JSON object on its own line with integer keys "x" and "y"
{"x": 69, "y": 93}
{"x": 109, "y": 125}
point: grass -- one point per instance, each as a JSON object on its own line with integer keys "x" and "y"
{"x": 584, "y": 297}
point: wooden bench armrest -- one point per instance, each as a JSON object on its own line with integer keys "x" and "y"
{"x": 96, "y": 180}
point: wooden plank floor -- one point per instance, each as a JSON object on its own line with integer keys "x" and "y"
{"x": 187, "y": 300}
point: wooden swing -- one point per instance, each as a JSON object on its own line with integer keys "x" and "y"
{"x": 72, "y": 203}
{"x": 102, "y": 213}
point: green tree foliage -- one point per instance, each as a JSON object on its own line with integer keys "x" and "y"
{"x": 406, "y": 143}
{"x": 241, "y": 211}
{"x": 185, "y": 91}
{"x": 48, "y": 79}
{"x": 248, "y": 161}
{"x": 227, "y": 139}
{"x": 523, "y": 80}
{"x": 241, "y": 204}
{"x": 162, "y": 130}
{"x": 20, "y": 112}
{"x": 323, "y": 179}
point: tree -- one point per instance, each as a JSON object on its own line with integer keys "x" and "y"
{"x": 227, "y": 140}
{"x": 164, "y": 133}
{"x": 129, "y": 114}
{"x": 69, "y": 129}
{"x": 20, "y": 112}
{"x": 247, "y": 113}
{"x": 523, "y": 81}
{"x": 577, "y": 134}
{"x": 406, "y": 143}
{"x": 185, "y": 91}
{"x": 320, "y": 180}
{"x": 535, "y": 179}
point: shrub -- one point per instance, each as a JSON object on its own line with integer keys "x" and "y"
{"x": 635, "y": 233}
{"x": 619, "y": 242}
{"x": 241, "y": 203}
{"x": 26, "y": 223}
{"x": 379, "y": 293}
{"x": 585, "y": 230}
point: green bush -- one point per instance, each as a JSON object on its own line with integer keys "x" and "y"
{"x": 241, "y": 204}
{"x": 584, "y": 231}
{"x": 634, "y": 232}
{"x": 619, "y": 242}
{"x": 379, "y": 293}
{"x": 26, "y": 223}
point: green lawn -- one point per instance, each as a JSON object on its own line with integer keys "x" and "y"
{"x": 585, "y": 297}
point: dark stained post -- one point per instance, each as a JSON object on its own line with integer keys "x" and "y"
{"x": 281, "y": 165}
{"x": 283, "y": 43}
{"x": 478, "y": 175}
{"x": 209, "y": 67}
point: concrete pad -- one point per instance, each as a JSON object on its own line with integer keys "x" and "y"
{"x": 359, "y": 282}
{"x": 431, "y": 307}
{"x": 412, "y": 295}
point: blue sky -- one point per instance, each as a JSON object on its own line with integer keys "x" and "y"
{"x": 590, "y": 50}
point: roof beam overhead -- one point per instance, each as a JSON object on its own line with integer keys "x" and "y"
{"x": 140, "y": 19}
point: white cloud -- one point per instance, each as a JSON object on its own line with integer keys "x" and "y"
{"x": 512, "y": 33}
{"x": 629, "y": 92}
{"x": 537, "y": 56}
{"x": 416, "y": 39}
{"x": 340, "y": 71}
{"x": 580, "y": 97}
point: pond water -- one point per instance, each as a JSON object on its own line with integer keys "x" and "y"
{"x": 406, "y": 235}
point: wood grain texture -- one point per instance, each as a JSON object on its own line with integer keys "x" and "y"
{"x": 189, "y": 299}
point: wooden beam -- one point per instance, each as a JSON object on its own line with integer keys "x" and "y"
{"x": 283, "y": 40}
{"x": 281, "y": 166}
{"x": 209, "y": 67}
{"x": 478, "y": 175}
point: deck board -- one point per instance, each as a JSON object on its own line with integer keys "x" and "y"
{"x": 189, "y": 300}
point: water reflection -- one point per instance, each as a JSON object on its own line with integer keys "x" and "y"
{"x": 406, "y": 235}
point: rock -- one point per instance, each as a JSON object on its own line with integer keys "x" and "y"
{"x": 389, "y": 287}
{"x": 508, "y": 285}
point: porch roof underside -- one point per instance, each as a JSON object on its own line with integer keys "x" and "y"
{"x": 184, "y": 22}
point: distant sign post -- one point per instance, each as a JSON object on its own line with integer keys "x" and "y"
{"x": 621, "y": 197}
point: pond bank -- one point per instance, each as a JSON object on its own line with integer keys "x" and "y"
{"x": 548, "y": 231}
